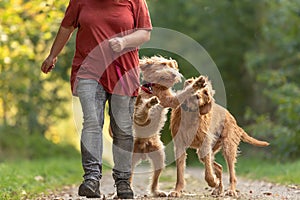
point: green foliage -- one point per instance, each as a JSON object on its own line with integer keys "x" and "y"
{"x": 255, "y": 45}
{"x": 274, "y": 62}
{"x": 29, "y": 101}
{"x": 226, "y": 29}
{"x": 16, "y": 145}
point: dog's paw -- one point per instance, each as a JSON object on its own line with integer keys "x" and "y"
{"x": 174, "y": 194}
{"x": 231, "y": 193}
{"x": 199, "y": 83}
{"x": 218, "y": 191}
{"x": 212, "y": 181}
{"x": 160, "y": 193}
{"x": 152, "y": 102}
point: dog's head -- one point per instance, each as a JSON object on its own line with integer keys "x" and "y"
{"x": 202, "y": 100}
{"x": 160, "y": 70}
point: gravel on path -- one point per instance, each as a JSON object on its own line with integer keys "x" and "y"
{"x": 196, "y": 187}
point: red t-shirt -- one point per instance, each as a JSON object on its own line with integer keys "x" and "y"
{"x": 97, "y": 22}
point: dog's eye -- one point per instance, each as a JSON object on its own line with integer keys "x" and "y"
{"x": 189, "y": 81}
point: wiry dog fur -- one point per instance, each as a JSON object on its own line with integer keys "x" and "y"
{"x": 151, "y": 108}
{"x": 207, "y": 133}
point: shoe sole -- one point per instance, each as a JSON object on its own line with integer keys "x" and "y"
{"x": 125, "y": 196}
{"x": 88, "y": 192}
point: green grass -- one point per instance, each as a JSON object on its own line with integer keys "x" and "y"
{"x": 273, "y": 171}
{"x": 25, "y": 179}
{"x": 263, "y": 169}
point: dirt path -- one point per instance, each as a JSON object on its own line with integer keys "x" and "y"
{"x": 196, "y": 187}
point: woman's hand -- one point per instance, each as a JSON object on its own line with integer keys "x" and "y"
{"x": 132, "y": 40}
{"x": 117, "y": 44}
{"x": 48, "y": 64}
{"x": 63, "y": 35}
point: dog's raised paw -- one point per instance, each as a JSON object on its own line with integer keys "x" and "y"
{"x": 153, "y": 101}
{"x": 200, "y": 83}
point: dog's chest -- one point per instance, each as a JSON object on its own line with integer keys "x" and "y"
{"x": 158, "y": 117}
{"x": 188, "y": 128}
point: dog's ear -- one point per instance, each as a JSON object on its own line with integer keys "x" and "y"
{"x": 208, "y": 101}
{"x": 144, "y": 66}
{"x": 205, "y": 108}
{"x": 172, "y": 63}
{"x": 145, "y": 63}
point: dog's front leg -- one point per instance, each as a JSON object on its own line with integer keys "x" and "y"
{"x": 210, "y": 177}
{"x": 205, "y": 155}
{"x": 180, "y": 164}
{"x": 199, "y": 83}
{"x": 141, "y": 112}
{"x": 136, "y": 157}
{"x": 157, "y": 157}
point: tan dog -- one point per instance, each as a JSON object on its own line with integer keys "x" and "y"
{"x": 207, "y": 133}
{"x": 150, "y": 113}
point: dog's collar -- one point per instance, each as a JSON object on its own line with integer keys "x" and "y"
{"x": 147, "y": 87}
{"x": 187, "y": 109}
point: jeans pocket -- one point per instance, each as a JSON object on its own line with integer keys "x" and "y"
{"x": 86, "y": 85}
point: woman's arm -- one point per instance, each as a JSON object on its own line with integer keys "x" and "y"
{"x": 134, "y": 39}
{"x": 60, "y": 41}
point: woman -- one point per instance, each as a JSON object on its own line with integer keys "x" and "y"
{"x": 105, "y": 67}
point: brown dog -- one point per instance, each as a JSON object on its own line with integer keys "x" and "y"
{"x": 150, "y": 113}
{"x": 207, "y": 133}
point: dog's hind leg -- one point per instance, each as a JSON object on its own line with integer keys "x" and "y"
{"x": 230, "y": 152}
{"x": 158, "y": 162}
{"x": 136, "y": 157}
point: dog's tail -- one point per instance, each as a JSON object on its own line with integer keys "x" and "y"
{"x": 246, "y": 138}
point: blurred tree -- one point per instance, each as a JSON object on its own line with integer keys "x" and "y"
{"x": 255, "y": 45}
{"x": 274, "y": 62}
{"x": 27, "y": 97}
{"x": 226, "y": 29}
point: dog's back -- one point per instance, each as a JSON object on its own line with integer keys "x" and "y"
{"x": 224, "y": 126}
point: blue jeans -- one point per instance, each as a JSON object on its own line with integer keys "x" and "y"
{"x": 92, "y": 97}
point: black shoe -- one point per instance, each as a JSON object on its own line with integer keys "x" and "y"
{"x": 89, "y": 188}
{"x": 124, "y": 190}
